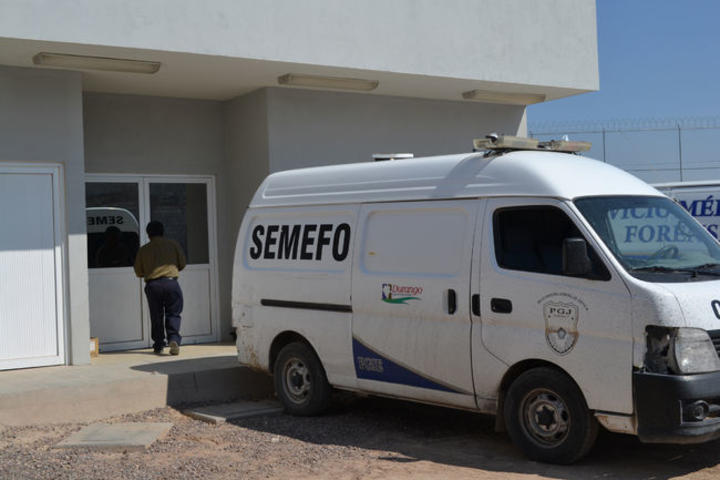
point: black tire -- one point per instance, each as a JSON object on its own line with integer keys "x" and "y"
{"x": 300, "y": 380}
{"x": 547, "y": 417}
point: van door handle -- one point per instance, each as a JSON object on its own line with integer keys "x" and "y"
{"x": 476, "y": 304}
{"x": 452, "y": 301}
{"x": 501, "y": 305}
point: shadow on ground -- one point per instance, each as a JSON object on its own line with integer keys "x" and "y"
{"x": 209, "y": 380}
{"x": 444, "y": 436}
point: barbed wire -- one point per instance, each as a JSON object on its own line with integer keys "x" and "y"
{"x": 622, "y": 125}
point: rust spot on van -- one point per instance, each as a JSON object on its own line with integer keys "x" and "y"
{"x": 618, "y": 423}
{"x": 253, "y": 360}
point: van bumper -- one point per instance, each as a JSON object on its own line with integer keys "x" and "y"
{"x": 669, "y": 407}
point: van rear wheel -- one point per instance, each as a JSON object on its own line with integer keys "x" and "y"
{"x": 547, "y": 417}
{"x": 300, "y": 380}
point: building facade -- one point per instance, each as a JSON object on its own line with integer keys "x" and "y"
{"x": 115, "y": 113}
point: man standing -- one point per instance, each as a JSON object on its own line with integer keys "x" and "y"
{"x": 159, "y": 262}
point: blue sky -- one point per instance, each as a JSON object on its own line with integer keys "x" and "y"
{"x": 657, "y": 59}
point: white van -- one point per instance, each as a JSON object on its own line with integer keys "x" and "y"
{"x": 515, "y": 282}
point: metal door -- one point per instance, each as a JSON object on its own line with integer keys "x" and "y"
{"x": 32, "y": 307}
{"x": 530, "y": 310}
{"x": 410, "y": 297}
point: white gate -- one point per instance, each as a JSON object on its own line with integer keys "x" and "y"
{"x": 32, "y": 325}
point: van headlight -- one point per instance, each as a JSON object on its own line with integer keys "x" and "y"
{"x": 680, "y": 351}
{"x": 693, "y": 351}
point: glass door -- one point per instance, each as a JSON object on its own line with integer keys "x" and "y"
{"x": 113, "y": 212}
{"x": 181, "y": 204}
{"x": 118, "y": 208}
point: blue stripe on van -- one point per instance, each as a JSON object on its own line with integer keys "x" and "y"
{"x": 370, "y": 365}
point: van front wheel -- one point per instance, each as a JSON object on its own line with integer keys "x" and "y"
{"x": 547, "y": 417}
{"x": 300, "y": 380}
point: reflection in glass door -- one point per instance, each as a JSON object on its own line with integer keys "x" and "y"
{"x": 118, "y": 208}
{"x": 113, "y": 231}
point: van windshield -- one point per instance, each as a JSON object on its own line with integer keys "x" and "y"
{"x": 654, "y": 238}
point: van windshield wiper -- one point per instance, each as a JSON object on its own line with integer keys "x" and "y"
{"x": 658, "y": 268}
{"x": 706, "y": 266}
{"x": 694, "y": 271}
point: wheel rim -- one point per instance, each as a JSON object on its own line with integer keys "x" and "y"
{"x": 296, "y": 380}
{"x": 545, "y": 417}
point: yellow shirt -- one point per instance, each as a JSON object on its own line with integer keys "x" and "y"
{"x": 161, "y": 257}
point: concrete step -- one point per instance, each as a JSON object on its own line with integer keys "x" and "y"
{"x": 118, "y": 436}
{"x": 127, "y": 382}
{"x": 225, "y": 412}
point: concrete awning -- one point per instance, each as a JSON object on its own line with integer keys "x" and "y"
{"x": 220, "y": 50}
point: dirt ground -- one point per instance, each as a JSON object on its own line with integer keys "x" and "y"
{"x": 357, "y": 438}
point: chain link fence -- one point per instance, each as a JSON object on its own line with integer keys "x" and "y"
{"x": 656, "y": 150}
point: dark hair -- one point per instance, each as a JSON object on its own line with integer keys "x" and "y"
{"x": 155, "y": 229}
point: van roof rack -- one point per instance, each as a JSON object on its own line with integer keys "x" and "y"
{"x": 494, "y": 143}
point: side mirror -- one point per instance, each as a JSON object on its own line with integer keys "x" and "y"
{"x": 575, "y": 258}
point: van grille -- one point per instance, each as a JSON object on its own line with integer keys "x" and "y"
{"x": 715, "y": 337}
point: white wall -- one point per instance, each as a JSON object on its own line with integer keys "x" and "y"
{"x": 246, "y": 154}
{"x": 548, "y": 42}
{"x": 309, "y": 128}
{"x": 140, "y": 134}
{"x": 41, "y": 121}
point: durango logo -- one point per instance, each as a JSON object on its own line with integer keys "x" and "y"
{"x": 392, "y": 293}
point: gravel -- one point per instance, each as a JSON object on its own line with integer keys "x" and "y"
{"x": 358, "y": 438}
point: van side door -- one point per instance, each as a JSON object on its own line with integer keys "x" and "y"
{"x": 410, "y": 298}
{"x": 531, "y": 310}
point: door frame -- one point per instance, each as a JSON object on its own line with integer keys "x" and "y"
{"x": 143, "y": 181}
{"x": 61, "y": 266}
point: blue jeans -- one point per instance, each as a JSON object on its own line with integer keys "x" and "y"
{"x": 165, "y": 301}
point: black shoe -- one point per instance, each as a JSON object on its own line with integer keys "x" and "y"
{"x": 158, "y": 351}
